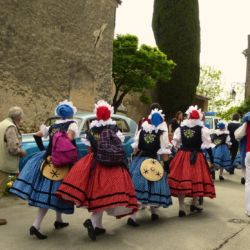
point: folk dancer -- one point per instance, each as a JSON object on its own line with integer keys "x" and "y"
{"x": 148, "y": 175}
{"x": 36, "y": 182}
{"x": 100, "y": 181}
{"x": 189, "y": 171}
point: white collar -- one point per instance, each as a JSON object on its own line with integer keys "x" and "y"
{"x": 234, "y": 122}
{"x": 64, "y": 120}
{"x": 192, "y": 123}
{"x": 149, "y": 128}
{"x": 221, "y": 132}
{"x": 101, "y": 123}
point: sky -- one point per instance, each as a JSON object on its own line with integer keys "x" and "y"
{"x": 225, "y": 25}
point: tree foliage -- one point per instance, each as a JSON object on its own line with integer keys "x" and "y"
{"x": 211, "y": 86}
{"x": 176, "y": 29}
{"x": 137, "y": 68}
{"x": 241, "y": 109}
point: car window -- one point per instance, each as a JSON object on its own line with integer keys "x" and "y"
{"x": 52, "y": 121}
{"x": 121, "y": 124}
{"x": 210, "y": 122}
{"x": 85, "y": 126}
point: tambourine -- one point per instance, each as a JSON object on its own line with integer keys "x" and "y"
{"x": 53, "y": 173}
{"x": 152, "y": 170}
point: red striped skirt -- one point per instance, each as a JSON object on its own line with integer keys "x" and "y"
{"x": 99, "y": 188}
{"x": 190, "y": 180}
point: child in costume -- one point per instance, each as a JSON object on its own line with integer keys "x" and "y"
{"x": 35, "y": 183}
{"x": 189, "y": 172}
{"x": 243, "y": 135}
{"x": 100, "y": 181}
{"x": 221, "y": 153}
{"x": 148, "y": 175}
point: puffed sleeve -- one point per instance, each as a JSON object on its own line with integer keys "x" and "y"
{"x": 241, "y": 131}
{"x": 165, "y": 144}
{"x": 45, "y": 130}
{"x": 135, "y": 144}
{"x": 74, "y": 127}
{"x": 120, "y": 135}
{"x": 206, "y": 139}
{"x": 85, "y": 140}
{"x": 177, "y": 138}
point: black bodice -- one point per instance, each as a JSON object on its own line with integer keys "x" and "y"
{"x": 191, "y": 137}
{"x": 219, "y": 139}
{"x": 149, "y": 143}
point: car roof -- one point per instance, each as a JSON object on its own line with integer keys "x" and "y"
{"x": 86, "y": 115}
{"x": 210, "y": 116}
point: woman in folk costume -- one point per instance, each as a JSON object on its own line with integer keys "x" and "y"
{"x": 40, "y": 178}
{"x": 148, "y": 175}
{"x": 221, "y": 153}
{"x": 189, "y": 172}
{"x": 243, "y": 135}
{"x": 100, "y": 181}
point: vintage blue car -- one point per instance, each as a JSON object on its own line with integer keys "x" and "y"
{"x": 126, "y": 125}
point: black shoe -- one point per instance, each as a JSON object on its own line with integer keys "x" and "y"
{"x": 99, "y": 231}
{"x": 231, "y": 172}
{"x": 59, "y": 225}
{"x": 243, "y": 181}
{"x": 193, "y": 208}
{"x": 221, "y": 178}
{"x": 132, "y": 223}
{"x": 91, "y": 231}
{"x": 154, "y": 217}
{"x": 182, "y": 213}
{"x": 34, "y": 231}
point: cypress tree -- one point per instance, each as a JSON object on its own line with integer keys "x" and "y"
{"x": 176, "y": 29}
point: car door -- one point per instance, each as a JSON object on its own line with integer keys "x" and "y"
{"x": 124, "y": 127}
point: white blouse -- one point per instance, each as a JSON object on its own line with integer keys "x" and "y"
{"x": 205, "y": 134}
{"x": 222, "y": 132}
{"x": 240, "y": 132}
{"x": 73, "y": 127}
{"x": 165, "y": 146}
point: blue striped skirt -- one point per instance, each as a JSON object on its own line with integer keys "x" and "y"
{"x": 222, "y": 157}
{"x": 152, "y": 193}
{"x": 38, "y": 190}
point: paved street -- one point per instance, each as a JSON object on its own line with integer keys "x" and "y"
{"x": 222, "y": 225}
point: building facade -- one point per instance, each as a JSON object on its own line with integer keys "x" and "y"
{"x": 52, "y": 50}
{"x": 247, "y": 55}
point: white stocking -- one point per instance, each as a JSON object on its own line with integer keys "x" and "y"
{"x": 133, "y": 217}
{"x": 195, "y": 201}
{"x": 40, "y": 215}
{"x": 243, "y": 171}
{"x": 221, "y": 171}
{"x": 181, "y": 202}
{"x": 96, "y": 219}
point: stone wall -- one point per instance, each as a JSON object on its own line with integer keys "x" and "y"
{"x": 52, "y": 50}
{"x": 247, "y": 54}
{"x": 135, "y": 109}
